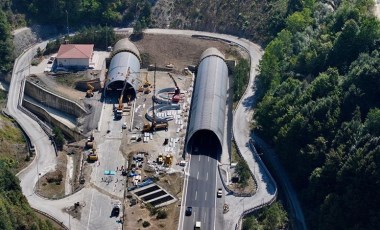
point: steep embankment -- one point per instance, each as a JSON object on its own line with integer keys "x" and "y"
{"x": 256, "y": 20}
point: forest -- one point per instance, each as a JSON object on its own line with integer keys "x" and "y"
{"x": 319, "y": 90}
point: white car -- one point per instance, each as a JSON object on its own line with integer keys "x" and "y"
{"x": 219, "y": 193}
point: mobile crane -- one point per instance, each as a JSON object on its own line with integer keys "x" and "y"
{"x": 120, "y": 107}
{"x": 177, "y": 92}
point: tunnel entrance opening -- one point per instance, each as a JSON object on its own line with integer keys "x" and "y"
{"x": 204, "y": 142}
{"x": 115, "y": 88}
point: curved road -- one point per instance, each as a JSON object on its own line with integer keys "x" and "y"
{"x": 43, "y": 164}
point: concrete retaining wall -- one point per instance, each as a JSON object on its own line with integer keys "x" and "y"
{"x": 39, "y": 111}
{"x": 53, "y": 100}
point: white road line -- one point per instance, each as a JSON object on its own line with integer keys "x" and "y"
{"x": 196, "y": 194}
{"x": 89, "y": 216}
{"x": 204, "y": 217}
{"x": 184, "y": 193}
{"x": 208, "y": 159}
{"x": 207, "y": 176}
{"x": 216, "y": 180}
{"x": 197, "y": 175}
{"x": 206, "y": 196}
{"x": 199, "y": 158}
{"x": 92, "y": 197}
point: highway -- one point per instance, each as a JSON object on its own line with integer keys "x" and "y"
{"x": 202, "y": 185}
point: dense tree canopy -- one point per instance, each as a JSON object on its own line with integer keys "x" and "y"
{"x": 15, "y": 212}
{"x": 319, "y": 105}
{"x": 6, "y": 56}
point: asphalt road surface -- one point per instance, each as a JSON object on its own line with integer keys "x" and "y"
{"x": 202, "y": 185}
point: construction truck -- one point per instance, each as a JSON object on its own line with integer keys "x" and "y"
{"x": 168, "y": 160}
{"x": 177, "y": 92}
{"x": 90, "y": 91}
{"x": 92, "y": 156}
{"x": 155, "y": 126}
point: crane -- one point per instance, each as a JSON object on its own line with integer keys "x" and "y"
{"x": 155, "y": 125}
{"x": 120, "y": 107}
{"x": 146, "y": 83}
{"x": 176, "y": 97}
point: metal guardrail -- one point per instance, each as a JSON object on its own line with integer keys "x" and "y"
{"x": 51, "y": 218}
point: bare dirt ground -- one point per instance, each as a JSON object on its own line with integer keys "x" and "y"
{"x": 53, "y": 190}
{"x": 180, "y": 51}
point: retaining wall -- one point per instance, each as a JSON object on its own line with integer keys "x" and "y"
{"x": 41, "y": 112}
{"x": 53, "y": 100}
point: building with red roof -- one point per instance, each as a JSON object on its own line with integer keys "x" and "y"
{"x": 75, "y": 55}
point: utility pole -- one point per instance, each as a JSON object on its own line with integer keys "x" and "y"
{"x": 67, "y": 23}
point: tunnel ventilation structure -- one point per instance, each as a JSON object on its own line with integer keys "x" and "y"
{"x": 208, "y": 106}
{"x": 125, "y": 55}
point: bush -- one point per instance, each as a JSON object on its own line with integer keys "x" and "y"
{"x": 145, "y": 224}
{"x": 162, "y": 214}
{"x": 242, "y": 170}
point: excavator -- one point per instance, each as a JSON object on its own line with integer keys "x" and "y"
{"x": 120, "y": 107}
{"x": 177, "y": 92}
{"x": 90, "y": 91}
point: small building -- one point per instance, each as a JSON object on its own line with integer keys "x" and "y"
{"x": 75, "y": 56}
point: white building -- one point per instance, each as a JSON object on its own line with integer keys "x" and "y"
{"x": 75, "y": 55}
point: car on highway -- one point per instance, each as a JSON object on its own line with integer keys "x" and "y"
{"x": 197, "y": 225}
{"x": 219, "y": 193}
{"x": 189, "y": 211}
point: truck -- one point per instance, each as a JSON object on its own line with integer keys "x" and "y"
{"x": 197, "y": 225}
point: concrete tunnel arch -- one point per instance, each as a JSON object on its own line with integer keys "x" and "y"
{"x": 208, "y": 106}
{"x": 124, "y": 56}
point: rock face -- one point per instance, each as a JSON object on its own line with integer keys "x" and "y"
{"x": 27, "y": 36}
{"x": 22, "y": 39}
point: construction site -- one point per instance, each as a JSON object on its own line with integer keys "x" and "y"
{"x": 126, "y": 127}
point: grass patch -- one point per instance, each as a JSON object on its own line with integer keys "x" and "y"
{"x": 234, "y": 153}
{"x": 13, "y": 151}
{"x": 70, "y": 79}
{"x": 240, "y": 79}
{"x": 3, "y": 95}
{"x": 9, "y": 132}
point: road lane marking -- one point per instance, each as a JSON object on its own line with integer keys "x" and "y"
{"x": 207, "y": 176}
{"x": 199, "y": 158}
{"x": 208, "y": 159}
{"x": 196, "y": 194}
{"x": 197, "y": 175}
{"x": 206, "y": 196}
{"x": 216, "y": 180}
{"x": 184, "y": 194}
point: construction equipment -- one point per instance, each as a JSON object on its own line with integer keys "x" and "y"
{"x": 168, "y": 160}
{"x": 90, "y": 90}
{"x": 120, "y": 107}
{"x": 92, "y": 156}
{"x": 155, "y": 126}
{"x": 160, "y": 159}
{"x": 146, "y": 83}
{"x": 177, "y": 92}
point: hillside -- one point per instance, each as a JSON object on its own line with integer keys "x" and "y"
{"x": 15, "y": 212}
{"x": 319, "y": 106}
